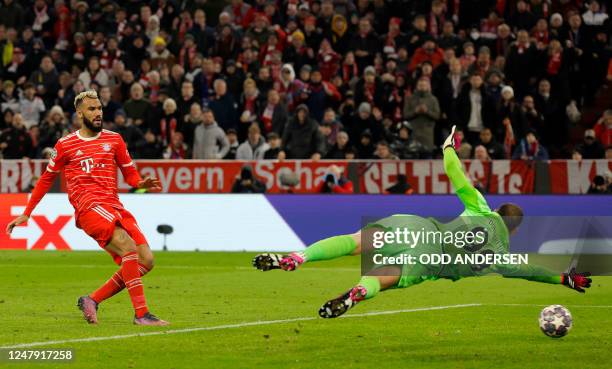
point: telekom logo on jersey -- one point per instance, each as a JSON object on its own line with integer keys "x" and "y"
{"x": 86, "y": 165}
{"x": 50, "y": 231}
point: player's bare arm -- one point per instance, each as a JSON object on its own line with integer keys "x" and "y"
{"x": 15, "y": 222}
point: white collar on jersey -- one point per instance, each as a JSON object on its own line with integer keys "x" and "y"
{"x": 78, "y": 132}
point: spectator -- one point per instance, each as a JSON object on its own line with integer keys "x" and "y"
{"x": 423, "y": 111}
{"x": 132, "y": 135}
{"x": 152, "y": 148}
{"x": 599, "y": 186}
{"x": 232, "y": 139}
{"x": 137, "y": 107}
{"x": 52, "y": 128}
{"x": 254, "y": 147}
{"x": 288, "y": 86}
{"x": 246, "y": 182}
{"x": 250, "y": 102}
{"x": 361, "y": 121}
{"x": 274, "y": 146}
{"x": 363, "y": 43}
{"x": 594, "y": 16}
{"x": 202, "y": 33}
{"x": 297, "y": 52}
{"x": 474, "y": 108}
{"x": 591, "y": 148}
{"x": 480, "y": 153}
{"x": 224, "y": 106}
{"x": 369, "y": 88}
{"x": 169, "y": 123}
{"x": 15, "y": 141}
{"x": 383, "y": 151}
{"x": 603, "y": 128}
{"x": 273, "y": 115}
{"x": 318, "y": 95}
{"x": 209, "y": 139}
{"x": 405, "y": 146}
{"x": 9, "y": 98}
{"x": 160, "y": 55}
{"x": 109, "y": 107}
{"x": 301, "y": 138}
{"x": 494, "y": 149}
{"x": 334, "y": 181}
{"x": 191, "y": 121}
{"x": 448, "y": 89}
{"x": 429, "y": 52}
{"x": 509, "y": 111}
{"x": 177, "y": 149}
{"x": 30, "y": 106}
{"x": 187, "y": 98}
{"x": 340, "y": 148}
{"x": 329, "y": 117}
{"x": 93, "y": 73}
{"x": 530, "y": 149}
{"x": 46, "y": 80}
{"x": 12, "y": 14}
{"x": 365, "y": 147}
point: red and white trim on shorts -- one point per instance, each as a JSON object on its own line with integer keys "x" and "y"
{"x": 104, "y": 213}
{"x": 133, "y": 256}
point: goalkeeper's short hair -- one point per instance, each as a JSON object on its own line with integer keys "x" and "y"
{"x": 512, "y": 215}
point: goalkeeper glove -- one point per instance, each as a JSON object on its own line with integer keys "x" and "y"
{"x": 576, "y": 281}
{"x": 450, "y": 140}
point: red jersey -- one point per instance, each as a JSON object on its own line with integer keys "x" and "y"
{"x": 90, "y": 168}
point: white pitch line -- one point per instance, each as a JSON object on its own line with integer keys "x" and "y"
{"x": 188, "y": 267}
{"x": 227, "y": 326}
{"x": 572, "y": 306}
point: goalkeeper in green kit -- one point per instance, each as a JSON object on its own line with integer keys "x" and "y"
{"x": 493, "y": 226}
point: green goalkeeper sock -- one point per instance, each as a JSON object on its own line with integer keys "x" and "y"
{"x": 371, "y": 284}
{"x": 330, "y": 248}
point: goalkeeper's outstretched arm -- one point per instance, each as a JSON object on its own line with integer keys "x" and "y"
{"x": 471, "y": 198}
{"x": 536, "y": 273}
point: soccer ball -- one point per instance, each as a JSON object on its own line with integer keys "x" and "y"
{"x": 555, "y": 321}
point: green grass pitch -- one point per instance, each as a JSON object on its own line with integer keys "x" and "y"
{"x": 38, "y": 293}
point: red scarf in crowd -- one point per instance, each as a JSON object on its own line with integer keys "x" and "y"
{"x": 509, "y": 139}
{"x": 541, "y": 37}
{"x": 554, "y": 64}
{"x": 266, "y": 117}
{"x": 168, "y": 128}
{"x": 349, "y": 71}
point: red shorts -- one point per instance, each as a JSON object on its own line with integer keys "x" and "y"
{"x": 99, "y": 223}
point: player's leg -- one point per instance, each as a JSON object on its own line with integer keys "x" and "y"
{"x": 115, "y": 284}
{"x": 326, "y": 249}
{"x": 366, "y": 288}
{"x": 124, "y": 246}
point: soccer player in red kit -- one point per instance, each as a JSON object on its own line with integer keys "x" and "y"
{"x": 89, "y": 158}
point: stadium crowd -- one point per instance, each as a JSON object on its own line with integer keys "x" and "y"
{"x": 337, "y": 79}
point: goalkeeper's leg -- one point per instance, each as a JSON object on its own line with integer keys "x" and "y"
{"x": 368, "y": 287}
{"x": 326, "y": 249}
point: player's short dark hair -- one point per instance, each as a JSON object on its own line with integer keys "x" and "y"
{"x": 512, "y": 215}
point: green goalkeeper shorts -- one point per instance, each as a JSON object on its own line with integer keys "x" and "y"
{"x": 411, "y": 274}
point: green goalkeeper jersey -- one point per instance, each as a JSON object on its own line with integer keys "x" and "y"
{"x": 478, "y": 217}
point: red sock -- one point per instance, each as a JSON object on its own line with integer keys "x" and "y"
{"x": 131, "y": 277}
{"x": 114, "y": 285}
